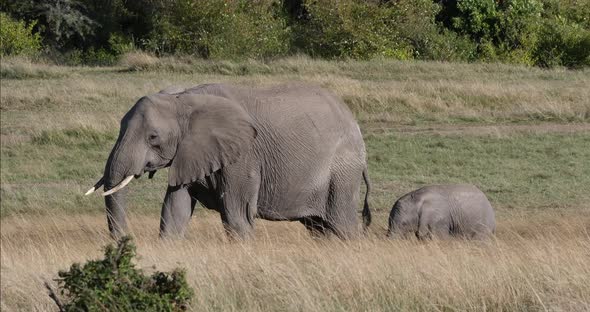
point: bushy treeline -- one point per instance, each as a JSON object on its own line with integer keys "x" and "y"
{"x": 534, "y": 32}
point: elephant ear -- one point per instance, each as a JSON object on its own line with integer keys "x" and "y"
{"x": 217, "y": 133}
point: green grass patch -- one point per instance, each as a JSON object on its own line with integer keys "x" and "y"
{"x": 57, "y": 133}
{"x": 82, "y": 137}
{"x": 529, "y": 171}
{"x": 518, "y": 171}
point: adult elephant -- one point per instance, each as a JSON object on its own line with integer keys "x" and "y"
{"x": 291, "y": 152}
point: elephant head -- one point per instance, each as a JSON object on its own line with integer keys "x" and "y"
{"x": 192, "y": 134}
{"x": 404, "y": 218}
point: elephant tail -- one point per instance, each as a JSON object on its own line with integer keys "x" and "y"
{"x": 366, "y": 209}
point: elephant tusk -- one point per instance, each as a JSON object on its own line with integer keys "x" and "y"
{"x": 95, "y": 187}
{"x": 90, "y": 191}
{"x": 118, "y": 187}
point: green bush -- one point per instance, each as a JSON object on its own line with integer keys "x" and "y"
{"x": 94, "y": 32}
{"x": 18, "y": 38}
{"x": 351, "y": 29}
{"x": 114, "y": 284}
{"x": 404, "y": 29}
{"x": 222, "y": 29}
{"x": 520, "y": 24}
{"x": 505, "y": 30}
{"x": 478, "y": 19}
{"x": 415, "y": 23}
{"x": 562, "y": 43}
{"x": 574, "y": 11}
{"x": 497, "y": 22}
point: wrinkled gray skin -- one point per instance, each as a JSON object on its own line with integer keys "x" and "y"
{"x": 291, "y": 152}
{"x": 442, "y": 211}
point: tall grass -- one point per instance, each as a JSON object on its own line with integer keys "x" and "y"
{"x": 531, "y": 265}
{"x": 520, "y": 134}
{"x": 378, "y": 91}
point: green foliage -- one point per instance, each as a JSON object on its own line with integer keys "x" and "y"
{"x": 415, "y": 23}
{"x": 504, "y": 30}
{"x": 96, "y": 32}
{"x": 65, "y": 23}
{"x": 563, "y": 44}
{"x": 479, "y": 19}
{"x": 352, "y": 29}
{"x": 520, "y": 23}
{"x": 404, "y": 29}
{"x": 574, "y": 11}
{"x": 114, "y": 284}
{"x": 564, "y": 36}
{"x": 62, "y": 23}
{"x": 18, "y": 38}
{"x": 532, "y": 32}
{"x": 222, "y": 29}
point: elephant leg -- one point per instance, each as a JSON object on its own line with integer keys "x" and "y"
{"x": 424, "y": 225}
{"x": 316, "y": 226}
{"x": 341, "y": 214}
{"x": 240, "y": 206}
{"x": 441, "y": 232}
{"x": 177, "y": 210}
{"x": 236, "y": 225}
{"x": 433, "y": 227}
{"x": 481, "y": 232}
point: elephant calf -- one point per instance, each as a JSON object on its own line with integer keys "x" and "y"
{"x": 443, "y": 211}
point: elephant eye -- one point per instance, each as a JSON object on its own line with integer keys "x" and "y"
{"x": 153, "y": 137}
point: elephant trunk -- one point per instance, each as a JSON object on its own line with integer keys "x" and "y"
{"x": 116, "y": 216}
{"x": 116, "y": 172}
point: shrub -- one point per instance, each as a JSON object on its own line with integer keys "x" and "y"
{"x": 222, "y": 29}
{"x": 562, "y": 43}
{"x": 415, "y": 22}
{"x": 575, "y": 11}
{"x": 404, "y": 29}
{"x": 63, "y": 23}
{"x": 350, "y": 29}
{"x": 18, "y": 38}
{"x": 94, "y": 32}
{"x": 505, "y": 30}
{"x": 120, "y": 44}
{"x": 363, "y": 29}
{"x": 91, "y": 56}
{"x": 114, "y": 284}
{"x": 322, "y": 33}
{"x": 478, "y": 19}
{"x": 99, "y": 57}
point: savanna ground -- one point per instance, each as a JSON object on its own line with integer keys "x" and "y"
{"x": 521, "y": 134}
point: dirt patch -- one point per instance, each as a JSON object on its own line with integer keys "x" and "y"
{"x": 487, "y": 130}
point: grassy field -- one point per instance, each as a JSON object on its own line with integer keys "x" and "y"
{"x": 521, "y": 134}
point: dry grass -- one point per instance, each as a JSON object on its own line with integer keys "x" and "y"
{"x": 138, "y": 61}
{"x": 387, "y": 91}
{"x": 520, "y": 133}
{"x": 538, "y": 263}
{"x": 23, "y": 68}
